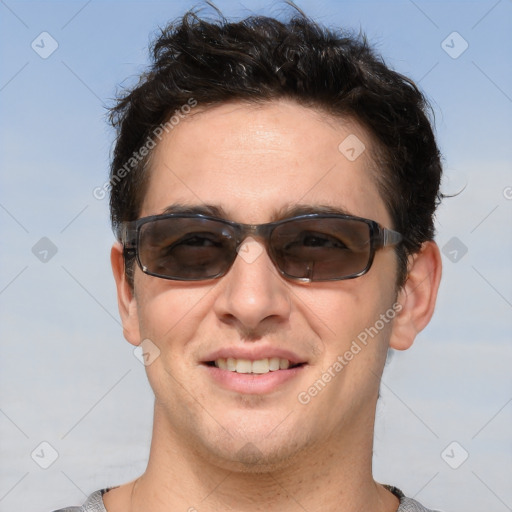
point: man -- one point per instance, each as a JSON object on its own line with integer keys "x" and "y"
{"x": 273, "y": 187}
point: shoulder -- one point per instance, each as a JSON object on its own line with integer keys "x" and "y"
{"x": 407, "y": 504}
{"x": 410, "y": 505}
{"x": 94, "y": 503}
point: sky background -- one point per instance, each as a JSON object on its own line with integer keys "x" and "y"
{"x": 68, "y": 378}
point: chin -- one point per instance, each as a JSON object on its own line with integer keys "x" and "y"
{"x": 256, "y": 450}
{"x": 250, "y": 458}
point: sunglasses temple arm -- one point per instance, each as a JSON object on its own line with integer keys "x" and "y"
{"x": 390, "y": 237}
{"x": 127, "y": 235}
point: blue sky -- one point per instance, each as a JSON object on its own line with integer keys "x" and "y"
{"x": 59, "y": 322}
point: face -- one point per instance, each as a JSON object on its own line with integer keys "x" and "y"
{"x": 253, "y": 164}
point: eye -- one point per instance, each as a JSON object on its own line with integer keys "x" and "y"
{"x": 321, "y": 240}
{"x": 198, "y": 240}
{"x": 192, "y": 250}
{"x": 315, "y": 240}
{"x": 194, "y": 245}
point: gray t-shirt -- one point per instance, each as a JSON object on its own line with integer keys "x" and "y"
{"x": 94, "y": 503}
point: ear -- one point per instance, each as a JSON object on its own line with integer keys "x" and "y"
{"x": 125, "y": 297}
{"x": 418, "y": 296}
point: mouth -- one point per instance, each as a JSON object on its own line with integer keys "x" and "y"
{"x": 257, "y": 366}
{"x": 254, "y": 375}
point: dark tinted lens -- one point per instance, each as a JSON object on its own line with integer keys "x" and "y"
{"x": 186, "y": 248}
{"x": 321, "y": 249}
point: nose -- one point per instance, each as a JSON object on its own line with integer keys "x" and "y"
{"x": 253, "y": 292}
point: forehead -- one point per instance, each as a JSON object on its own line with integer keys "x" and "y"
{"x": 253, "y": 160}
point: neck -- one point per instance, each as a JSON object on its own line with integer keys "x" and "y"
{"x": 334, "y": 476}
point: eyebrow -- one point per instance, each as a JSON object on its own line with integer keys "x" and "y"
{"x": 287, "y": 211}
{"x": 293, "y": 210}
{"x": 202, "y": 209}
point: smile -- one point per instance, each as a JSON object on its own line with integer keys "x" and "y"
{"x": 258, "y": 366}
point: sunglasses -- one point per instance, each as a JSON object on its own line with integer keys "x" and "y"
{"x": 313, "y": 247}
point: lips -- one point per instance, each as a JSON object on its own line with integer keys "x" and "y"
{"x": 252, "y": 369}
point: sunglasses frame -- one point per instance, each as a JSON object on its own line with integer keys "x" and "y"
{"x": 129, "y": 232}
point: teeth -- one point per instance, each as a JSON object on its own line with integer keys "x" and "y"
{"x": 243, "y": 366}
{"x": 259, "y": 366}
{"x": 284, "y": 364}
{"x": 273, "y": 363}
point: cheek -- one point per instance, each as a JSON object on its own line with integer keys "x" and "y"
{"x": 354, "y": 326}
{"x": 170, "y": 317}
{"x": 354, "y": 343}
{"x": 345, "y": 306}
{"x": 170, "y": 311}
